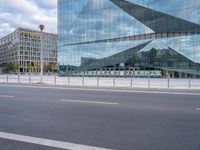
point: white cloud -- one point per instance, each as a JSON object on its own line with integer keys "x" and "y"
{"x": 24, "y": 6}
{"x": 51, "y": 4}
{"x": 5, "y": 28}
{"x": 28, "y": 14}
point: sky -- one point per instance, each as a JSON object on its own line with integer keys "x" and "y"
{"x": 28, "y": 14}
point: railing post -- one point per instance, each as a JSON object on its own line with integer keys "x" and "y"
{"x": 131, "y": 84}
{"x": 97, "y": 81}
{"x": 133, "y": 76}
{"x": 83, "y": 79}
{"x": 114, "y": 79}
{"x": 55, "y": 78}
{"x": 168, "y": 82}
{"x": 68, "y": 79}
{"x": 149, "y": 82}
{"x": 189, "y": 83}
{"x": 97, "y": 78}
{"x": 130, "y": 76}
{"x": 18, "y": 78}
{"x": 29, "y": 78}
{"x": 7, "y": 78}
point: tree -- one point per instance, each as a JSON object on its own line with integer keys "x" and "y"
{"x": 36, "y": 66}
{"x": 28, "y": 66}
{"x": 54, "y": 67}
{"x": 15, "y": 67}
{"x": 8, "y": 68}
{"x": 5, "y": 68}
{"x": 47, "y": 67}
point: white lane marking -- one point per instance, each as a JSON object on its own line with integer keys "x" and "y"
{"x": 104, "y": 90}
{"x": 197, "y": 109}
{"x": 47, "y": 142}
{"x": 7, "y": 96}
{"x": 91, "y": 102}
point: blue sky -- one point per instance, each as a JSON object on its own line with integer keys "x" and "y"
{"x": 27, "y": 13}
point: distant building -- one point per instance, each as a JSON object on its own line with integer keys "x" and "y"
{"x": 23, "y": 48}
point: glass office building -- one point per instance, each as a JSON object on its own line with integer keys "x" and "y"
{"x": 123, "y": 37}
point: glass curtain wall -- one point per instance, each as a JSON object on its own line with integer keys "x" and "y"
{"x": 99, "y": 34}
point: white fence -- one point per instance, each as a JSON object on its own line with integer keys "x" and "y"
{"x": 104, "y": 81}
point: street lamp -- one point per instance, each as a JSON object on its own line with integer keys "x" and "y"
{"x": 41, "y": 27}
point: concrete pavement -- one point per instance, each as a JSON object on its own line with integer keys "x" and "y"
{"x": 139, "y": 120}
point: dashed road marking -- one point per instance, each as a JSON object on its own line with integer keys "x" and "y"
{"x": 7, "y": 96}
{"x": 90, "y": 102}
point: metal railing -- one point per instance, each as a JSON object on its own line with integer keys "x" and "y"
{"x": 131, "y": 82}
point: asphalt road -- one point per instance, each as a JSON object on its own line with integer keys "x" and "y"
{"x": 112, "y": 119}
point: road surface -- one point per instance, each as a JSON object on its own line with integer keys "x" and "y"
{"x": 55, "y": 118}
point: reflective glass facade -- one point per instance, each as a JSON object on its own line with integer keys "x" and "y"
{"x": 149, "y": 34}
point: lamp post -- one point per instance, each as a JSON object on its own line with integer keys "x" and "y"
{"x": 41, "y": 53}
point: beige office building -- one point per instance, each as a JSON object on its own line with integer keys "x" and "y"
{"x": 23, "y": 47}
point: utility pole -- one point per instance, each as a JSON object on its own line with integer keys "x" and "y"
{"x": 41, "y": 53}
